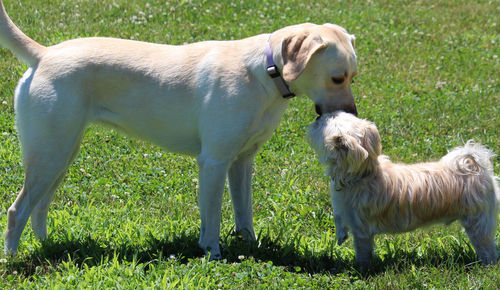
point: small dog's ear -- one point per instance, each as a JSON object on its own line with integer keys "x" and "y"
{"x": 356, "y": 155}
{"x": 354, "y": 147}
{"x": 338, "y": 142}
{"x": 371, "y": 141}
{"x": 348, "y": 144}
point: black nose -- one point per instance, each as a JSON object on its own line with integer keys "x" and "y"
{"x": 318, "y": 109}
{"x": 353, "y": 110}
{"x": 348, "y": 109}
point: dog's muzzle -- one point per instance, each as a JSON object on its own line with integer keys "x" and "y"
{"x": 347, "y": 108}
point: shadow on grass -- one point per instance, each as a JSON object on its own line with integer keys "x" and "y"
{"x": 184, "y": 247}
{"x": 460, "y": 254}
{"x": 92, "y": 252}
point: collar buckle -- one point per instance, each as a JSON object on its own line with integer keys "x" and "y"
{"x": 273, "y": 72}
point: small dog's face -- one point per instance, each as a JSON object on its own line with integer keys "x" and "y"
{"x": 346, "y": 144}
{"x": 320, "y": 62}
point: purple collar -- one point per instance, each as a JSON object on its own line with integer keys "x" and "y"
{"x": 273, "y": 72}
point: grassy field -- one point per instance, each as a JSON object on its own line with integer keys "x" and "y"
{"x": 126, "y": 214}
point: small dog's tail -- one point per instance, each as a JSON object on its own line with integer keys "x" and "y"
{"x": 470, "y": 159}
{"x": 12, "y": 38}
{"x": 473, "y": 159}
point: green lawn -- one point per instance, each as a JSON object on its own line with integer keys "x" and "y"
{"x": 126, "y": 215}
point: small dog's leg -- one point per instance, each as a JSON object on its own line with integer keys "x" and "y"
{"x": 212, "y": 177}
{"x": 240, "y": 182}
{"x": 363, "y": 245}
{"x": 481, "y": 231}
{"x": 340, "y": 230}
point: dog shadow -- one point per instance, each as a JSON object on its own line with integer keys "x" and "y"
{"x": 184, "y": 247}
{"x": 91, "y": 251}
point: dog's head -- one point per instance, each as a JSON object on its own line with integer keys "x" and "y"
{"x": 347, "y": 145}
{"x": 319, "y": 61}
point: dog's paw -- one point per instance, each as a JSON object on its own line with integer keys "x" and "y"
{"x": 341, "y": 240}
{"x": 341, "y": 237}
{"x": 246, "y": 234}
{"x": 212, "y": 253}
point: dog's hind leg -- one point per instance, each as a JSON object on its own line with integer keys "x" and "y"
{"x": 41, "y": 210}
{"x": 50, "y": 129}
{"x": 240, "y": 181}
{"x": 481, "y": 231}
{"x": 46, "y": 160}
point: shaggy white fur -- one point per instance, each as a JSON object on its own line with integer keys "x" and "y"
{"x": 372, "y": 195}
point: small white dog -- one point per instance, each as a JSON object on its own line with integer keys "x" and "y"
{"x": 216, "y": 100}
{"x": 372, "y": 195}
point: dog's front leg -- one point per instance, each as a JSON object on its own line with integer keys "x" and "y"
{"x": 240, "y": 182}
{"x": 212, "y": 176}
{"x": 338, "y": 205}
{"x": 363, "y": 245}
{"x": 340, "y": 230}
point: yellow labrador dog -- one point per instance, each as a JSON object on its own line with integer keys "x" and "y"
{"x": 217, "y": 100}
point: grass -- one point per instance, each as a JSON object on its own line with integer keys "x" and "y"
{"x": 126, "y": 214}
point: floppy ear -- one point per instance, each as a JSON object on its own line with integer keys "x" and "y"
{"x": 356, "y": 153}
{"x": 371, "y": 141}
{"x": 338, "y": 142}
{"x": 349, "y": 145}
{"x": 297, "y": 50}
{"x": 335, "y": 143}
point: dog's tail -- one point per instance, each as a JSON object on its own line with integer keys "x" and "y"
{"x": 15, "y": 40}
{"x": 470, "y": 159}
{"x": 473, "y": 159}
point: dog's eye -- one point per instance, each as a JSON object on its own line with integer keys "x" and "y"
{"x": 338, "y": 80}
